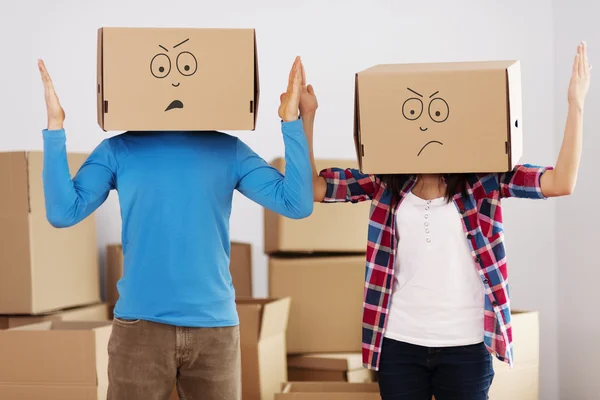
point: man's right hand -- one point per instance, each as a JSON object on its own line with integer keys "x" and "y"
{"x": 56, "y": 114}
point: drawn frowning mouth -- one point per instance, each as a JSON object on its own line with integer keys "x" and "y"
{"x": 175, "y": 104}
{"x": 427, "y": 144}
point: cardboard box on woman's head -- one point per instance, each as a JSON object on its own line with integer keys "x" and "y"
{"x": 439, "y": 118}
{"x": 174, "y": 79}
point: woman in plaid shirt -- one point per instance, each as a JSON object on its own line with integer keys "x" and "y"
{"x": 430, "y": 262}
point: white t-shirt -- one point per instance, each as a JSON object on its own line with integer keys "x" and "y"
{"x": 437, "y": 298}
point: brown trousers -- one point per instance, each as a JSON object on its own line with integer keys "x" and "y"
{"x": 146, "y": 360}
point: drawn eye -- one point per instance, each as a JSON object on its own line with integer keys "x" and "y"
{"x": 439, "y": 111}
{"x": 160, "y": 66}
{"x": 187, "y": 64}
{"x": 412, "y": 109}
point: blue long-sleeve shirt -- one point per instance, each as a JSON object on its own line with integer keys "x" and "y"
{"x": 175, "y": 191}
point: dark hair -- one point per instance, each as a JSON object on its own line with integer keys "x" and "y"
{"x": 455, "y": 183}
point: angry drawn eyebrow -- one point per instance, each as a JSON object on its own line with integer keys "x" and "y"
{"x": 434, "y": 94}
{"x": 163, "y": 47}
{"x": 415, "y": 92}
{"x": 177, "y": 45}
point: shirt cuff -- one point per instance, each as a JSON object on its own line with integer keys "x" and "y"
{"x": 293, "y": 127}
{"x": 54, "y": 134}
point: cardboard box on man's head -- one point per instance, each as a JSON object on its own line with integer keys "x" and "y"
{"x": 439, "y": 118}
{"x": 173, "y": 79}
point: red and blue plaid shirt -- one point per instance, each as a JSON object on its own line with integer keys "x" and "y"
{"x": 481, "y": 213}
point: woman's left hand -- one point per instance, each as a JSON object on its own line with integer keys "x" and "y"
{"x": 580, "y": 79}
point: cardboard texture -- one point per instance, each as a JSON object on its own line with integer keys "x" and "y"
{"x": 41, "y": 268}
{"x": 425, "y": 118}
{"x": 334, "y": 228}
{"x": 240, "y": 266}
{"x": 95, "y": 312}
{"x": 55, "y": 360}
{"x": 263, "y": 323}
{"x": 329, "y": 391}
{"x": 326, "y": 313}
{"x": 522, "y": 382}
{"x": 177, "y": 79}
{"x": 342, "y": 367}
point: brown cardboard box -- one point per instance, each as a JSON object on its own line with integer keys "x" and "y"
{"x": 330, "y": 228}
{"x": 55, "y": 360}
{"x": 424, "y": 118}
{"x": 240, "y": 266}
{"x": 263, "y": 323}
{"x": 41, "y": 268}
{"x": 522, "y": 382}
{"x": 342, "y": 367}
{"x": 177, "y": 79}
{"x": 329, "y": 391}
{"x": 95, "y": 312}
{"x": 327, "y": 297}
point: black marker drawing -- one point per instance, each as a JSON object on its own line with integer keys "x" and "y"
{"x": 174, "y": 104}
{"x": 438, "y": 110}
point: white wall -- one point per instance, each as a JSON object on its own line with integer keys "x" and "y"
{"x": 578, "y": 215}
{"x": 336, "y": 39}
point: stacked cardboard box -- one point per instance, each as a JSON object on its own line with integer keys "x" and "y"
{"x": 329, "y": 391}
{"x": 55, "y": 360}
{"x": 319, "y": 262}
{"x": 45, "y": 273}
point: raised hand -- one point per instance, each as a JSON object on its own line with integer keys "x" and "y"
{"x": 55, "y": 112}
{"x": 308, "y": 100}
{"x": 580, "y": 78}
{"x": 290, "y": 100}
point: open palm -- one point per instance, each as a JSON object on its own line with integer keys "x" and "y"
{"x": 55, "y": 112}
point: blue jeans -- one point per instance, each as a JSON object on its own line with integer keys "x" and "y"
{"x": 410, "y": 372}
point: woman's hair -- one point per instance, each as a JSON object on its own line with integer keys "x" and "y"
{"x": 455, "y": 183}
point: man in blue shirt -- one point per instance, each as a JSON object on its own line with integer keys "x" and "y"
{"x": 176, "y": 318}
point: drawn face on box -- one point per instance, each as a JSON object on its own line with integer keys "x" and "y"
{"x": 426, "y": 113}
{"x": 434, "y": 118}
{"x": 176, "y": 67}
{"x": 178, "y": 79}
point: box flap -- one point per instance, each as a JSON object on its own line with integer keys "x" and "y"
{"x": 468, "y": 66}
{"x": 254, "y": 107}
{"x": 515, "y": 118}
{"x": 250, "y": 315}
{"x": 357, "y": 143}
{"x": 328, "y": 362}
{"x": 100, "y": 83}
{"x": 275, "y": 318}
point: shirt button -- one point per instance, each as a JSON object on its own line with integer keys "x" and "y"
{"x": 469, "y": 236}
{"x": 478, "y": 260}
{"x": 485, "y": 281}
{"x": 494, "y": 304}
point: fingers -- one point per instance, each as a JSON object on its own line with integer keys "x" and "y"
{"x": 581, "y": 60}
{"x": 586, "y": 65}
{"x": 310, "y": 90}
{"x": 576, "y": 66}
{"x": 303, "y": 83}
{"x": 282, "y": 97}
{"x": 293, "y": 71}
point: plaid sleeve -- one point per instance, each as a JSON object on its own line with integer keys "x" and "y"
{"x": 522, "y": 182}
{"x": 349, "y": 185}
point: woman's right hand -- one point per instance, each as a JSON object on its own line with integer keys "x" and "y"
{"x": 55, "y": 112}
